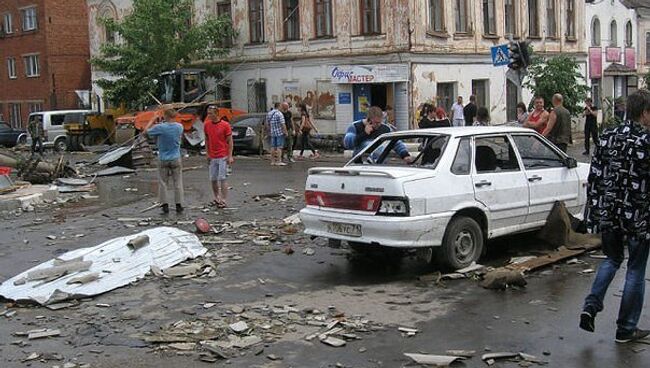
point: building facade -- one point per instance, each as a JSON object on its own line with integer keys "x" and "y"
{"x": 338, "y": 57}
{"x": 44, "y": 56}
{"x": 612, "y": 34}
{"x": 642, "y": 8}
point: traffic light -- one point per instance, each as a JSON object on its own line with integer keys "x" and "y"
{"x": 519, "y": 56}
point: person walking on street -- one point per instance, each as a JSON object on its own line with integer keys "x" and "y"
{"x": 591, "y": 124}
{"x": 469, "y": 111}
{"x": 168, "y": 135}
{"x": 284, "y": 108}
{"x": 219, "y": 147}
{"x": 538, "y": 119}
{"x": 278, "y": 133}
{"x": 362, "y": 132}
{"x": 457, "y": 114}
{"x": 35, "y": 128}
{"x": 306, "y": 126}
{"x": 618, "y": 207}
{"x": 558, "y": 129}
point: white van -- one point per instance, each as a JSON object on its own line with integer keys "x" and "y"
{"x": 55, "y": 134}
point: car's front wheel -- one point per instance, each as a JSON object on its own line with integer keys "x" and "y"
{"x": 462, "y": 243}
{"x": 61, "y": 144}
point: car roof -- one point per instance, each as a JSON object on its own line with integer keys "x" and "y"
{"x": 60, "y": 112}
{"x": 466, "y": 130}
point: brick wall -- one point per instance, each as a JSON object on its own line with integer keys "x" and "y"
{"x": 61, "y": 42}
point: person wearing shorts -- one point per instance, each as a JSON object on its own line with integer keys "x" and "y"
{"x": 278, "y": 133}
{"x": 219, "y": 147}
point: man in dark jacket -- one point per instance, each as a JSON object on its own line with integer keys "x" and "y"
{"x": 469, "y": 111}
{"x": 618, "y": 207}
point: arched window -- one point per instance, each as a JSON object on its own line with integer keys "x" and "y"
{"x": 613, "y": 34}
{"x": 628, "y": 34}
{"x": 595, "y": 32}
{"x": 106, "y": 11}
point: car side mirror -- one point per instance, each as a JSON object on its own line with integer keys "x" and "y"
{"x": 570, "y": 162}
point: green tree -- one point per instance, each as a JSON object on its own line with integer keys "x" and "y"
{"x": 157, "y": 36}
{"x": 558, "y": 74}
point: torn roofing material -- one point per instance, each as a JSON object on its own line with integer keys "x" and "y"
{"x": 167, "y": 247}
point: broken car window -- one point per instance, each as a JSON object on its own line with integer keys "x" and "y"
{"x": 495, "y": 154}
{"x": 385, "y": 151}
{"x": 535, "y": 153}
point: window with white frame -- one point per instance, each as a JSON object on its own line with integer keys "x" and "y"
{"x": 628, "y": 34}
{"x": 7, "y": 23}
{"x": 323, "y": 18}
{"x": 595, "y": 32}
{"x": 15, "y": 117}
{"x": 11, "y": 68}
{"x": 489, "y": 18}
{"x": 436, "y": 16}
{"x": 613, "y": 34}
{"x": 29, "y": 19}
{"x": 256, "y": 20}
{"x": 31, "y": 65}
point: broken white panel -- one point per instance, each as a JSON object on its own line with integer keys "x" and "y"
{"x": 430, "y": 359}
{"x": 197, "y": 135}
{"x": 167, "y": 247}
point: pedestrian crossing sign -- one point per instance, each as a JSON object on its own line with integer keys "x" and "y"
{"x": 500, "y": 55}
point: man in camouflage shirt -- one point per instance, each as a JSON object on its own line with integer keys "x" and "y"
{"x": 618, "y": 207}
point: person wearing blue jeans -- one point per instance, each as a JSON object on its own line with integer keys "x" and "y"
{"x": 618, "y": 207}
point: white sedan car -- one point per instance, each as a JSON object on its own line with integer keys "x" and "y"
{"x": 464, "y": 185}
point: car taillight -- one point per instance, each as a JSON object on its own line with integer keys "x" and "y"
{"x": 391, "y": 206}
{"x": 357, "y": 202}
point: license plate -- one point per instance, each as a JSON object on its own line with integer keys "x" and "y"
{"x": 235, "y": 134}
{"x": 344, "y": 229}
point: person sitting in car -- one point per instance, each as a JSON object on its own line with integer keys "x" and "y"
{"x": 362, "y": 132}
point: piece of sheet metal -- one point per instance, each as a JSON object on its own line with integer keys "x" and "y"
{"x": 116, "y": 264}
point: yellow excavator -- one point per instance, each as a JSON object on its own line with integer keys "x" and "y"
{"x": 92, "y": 128}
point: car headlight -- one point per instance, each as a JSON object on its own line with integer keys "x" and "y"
{"x": 250, "y": 132}
{"x": 394, "y": 207}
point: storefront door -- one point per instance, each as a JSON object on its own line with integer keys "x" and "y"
{"x": 362, "y": 101}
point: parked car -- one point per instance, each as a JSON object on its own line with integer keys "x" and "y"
{"x": 10, "y": 136}
{"x": 55, "y": 133}
{"x": 466, "y": 185}
{"x": 247, "y": 132}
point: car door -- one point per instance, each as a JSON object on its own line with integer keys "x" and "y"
{"x": 549, "y": 179}
{"x": 5, "y": 134}
{"x": 499, "y": 183}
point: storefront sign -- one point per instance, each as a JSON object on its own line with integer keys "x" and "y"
{"x": 595, "y": 63}
{"x": 613, "y": 54}
{"x": 345, "y": 98}
{"x": 630, "y": 60}
{"x": 360, "y": 74}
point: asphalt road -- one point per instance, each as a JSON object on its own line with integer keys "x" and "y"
{"x": 540, "y": 319}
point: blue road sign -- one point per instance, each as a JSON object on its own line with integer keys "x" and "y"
{"x": 500, "y": 55}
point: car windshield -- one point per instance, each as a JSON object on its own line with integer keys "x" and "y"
{"x": 425, "y": 151}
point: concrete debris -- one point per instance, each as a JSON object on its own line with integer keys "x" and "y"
{"x": 239, "y": 327}
{"x": 238, "y": 342}
{"x": 308, "y": 251}
{"x": 503, "y": 278}
{"x": 499, "y": 355}
{"x": 184, "y": 346}
{"x": 434, "y": 360}
{"x": 43, "y": 333}
{"x": 287, "y": 249}
{"x": 573, "y": 261}
{"x": 138, "y": 242}
{"x": 72, "y": 182}
{"x": 462, "y": 353}
{"x": 408, "y": 331}
{"x": 523, "y": 259}
{"x": 84, "y": 279}
{"x": 587, "y": 271}
{"x": 32, "y": 356}
{"x": 292, "y": 220}
{"x": 115, "y": 170}
{"x": 168, "y": 247}
{"x": 333, "y": 341}
{"x": 274, "y": 357}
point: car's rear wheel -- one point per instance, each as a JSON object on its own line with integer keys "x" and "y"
{"x": 22, "y": 139}
{"x": 61, "y": 145}
{"x": 462, "y": 243}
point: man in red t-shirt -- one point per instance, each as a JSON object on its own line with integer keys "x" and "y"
{"x": 219, "y": 145}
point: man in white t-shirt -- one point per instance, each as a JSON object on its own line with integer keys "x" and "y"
{"x": 457, "y": 115}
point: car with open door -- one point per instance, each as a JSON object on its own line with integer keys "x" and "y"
{"x": 462, "y": 187}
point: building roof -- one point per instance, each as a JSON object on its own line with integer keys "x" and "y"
{"x": 619, "y": 69}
